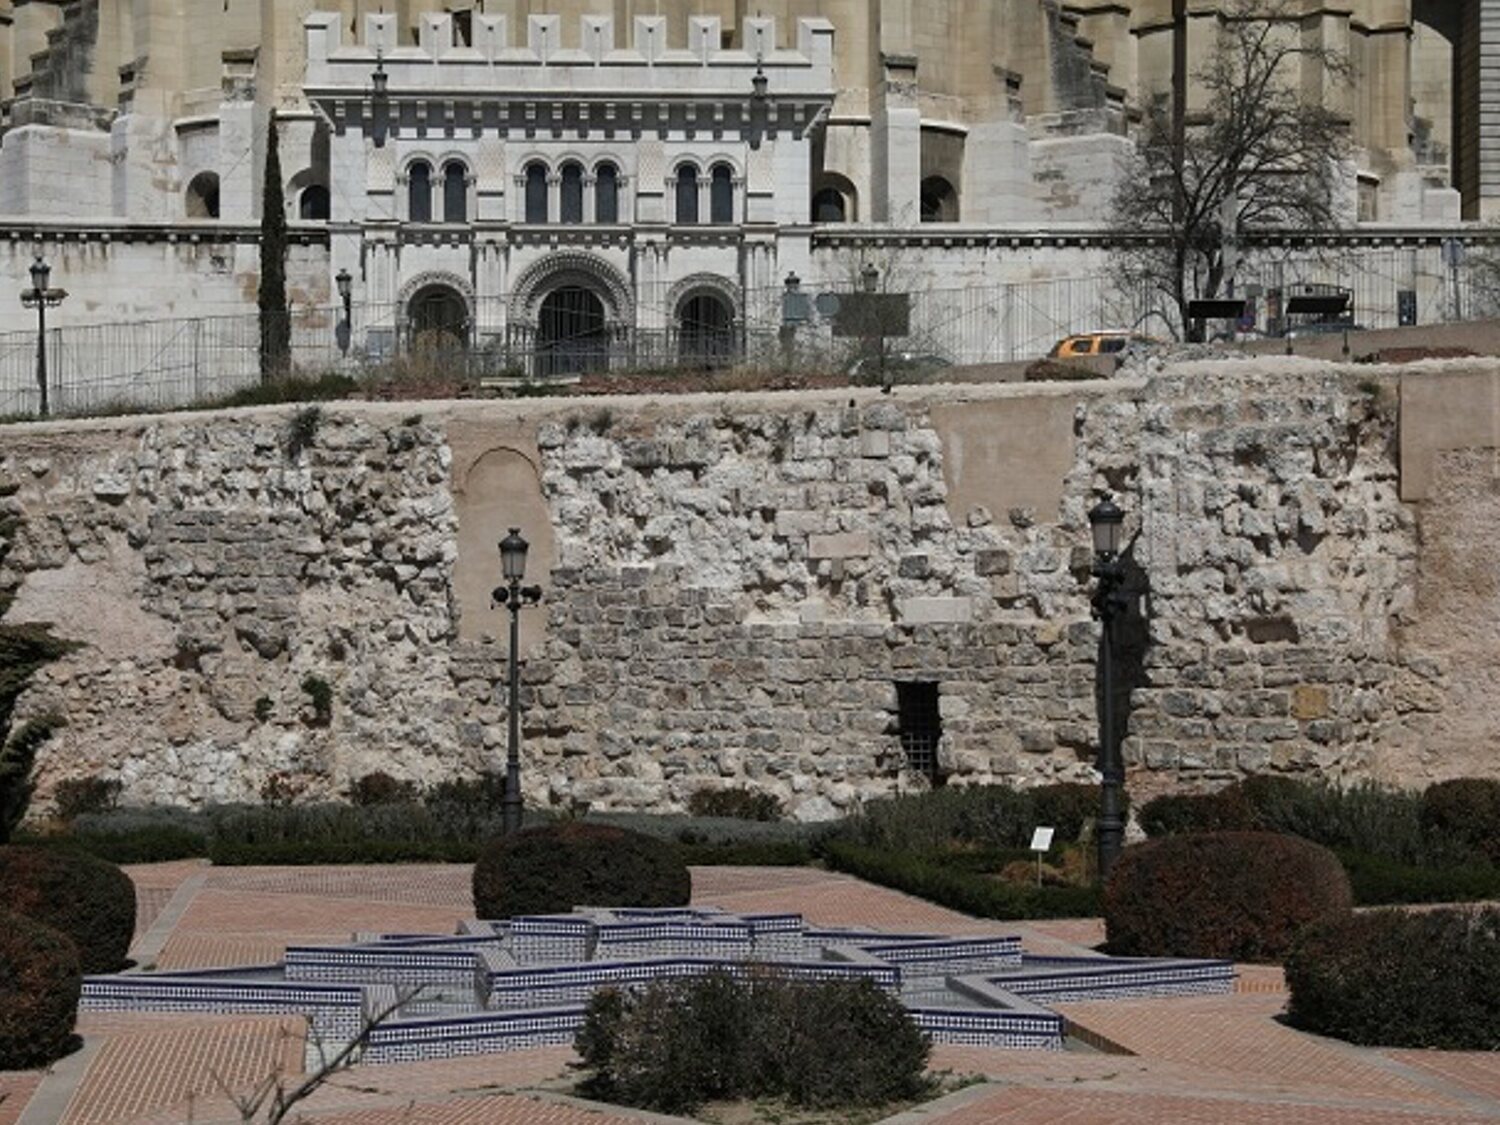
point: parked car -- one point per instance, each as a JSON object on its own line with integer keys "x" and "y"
{"x": 1105, "y": 342}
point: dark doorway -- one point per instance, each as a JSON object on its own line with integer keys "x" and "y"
{"x": 705, "y": 331}
{"x": 921, "y": 728}
{"x": 572, "y": 333}
{"x": 439, "y": 321}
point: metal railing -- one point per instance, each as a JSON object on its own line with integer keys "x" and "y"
{"x": 162, "y": 364}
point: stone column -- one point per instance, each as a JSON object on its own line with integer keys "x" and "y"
{"x": 896, "y": 143}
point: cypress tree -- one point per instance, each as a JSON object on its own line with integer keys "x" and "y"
{"x": 275, "y": 317}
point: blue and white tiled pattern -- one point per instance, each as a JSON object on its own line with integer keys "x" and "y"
{"x": 502, "y": 986}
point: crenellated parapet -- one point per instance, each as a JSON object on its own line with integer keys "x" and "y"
{"x": 609, "y": 57}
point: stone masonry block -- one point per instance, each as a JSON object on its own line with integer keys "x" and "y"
{"x": 847, "y": 545}
{"x": 936, "y": 611}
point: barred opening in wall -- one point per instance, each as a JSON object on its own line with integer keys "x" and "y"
{"x": 572, "y": 333}
{"x": 921, "y": 728}
{"x": 705, "y": 332}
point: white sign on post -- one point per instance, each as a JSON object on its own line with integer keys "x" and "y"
{"x": 1041, "y": 840}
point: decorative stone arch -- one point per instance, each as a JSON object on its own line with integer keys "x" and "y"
{"x": 706, "y": 284}
{"x": 430, "y": 281}
{"x": 568, "y": 268}
{"x": 201, "y": 199}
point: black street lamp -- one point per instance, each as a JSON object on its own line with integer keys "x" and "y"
{"x": 345, "y": 282}
{"x": 1107, "y": 521}
{"x": 513, "y": 568}
{"x": 41, "y": 297}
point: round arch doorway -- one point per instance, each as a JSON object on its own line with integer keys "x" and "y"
{"x": 705, "y": 331}
{"x": 572, "y": 333}
{"x": 438, "y": 321}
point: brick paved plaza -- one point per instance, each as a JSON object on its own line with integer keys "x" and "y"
{"x": 1222, "y": 1060}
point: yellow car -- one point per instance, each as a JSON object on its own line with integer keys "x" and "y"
{"x": 1098, "y": 343}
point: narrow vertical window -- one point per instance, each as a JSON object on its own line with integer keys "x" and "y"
{"x": 572, "y": 193}
{"x": 921, "y": 728}
{"x": 607, "y": 194}
{"x": 419, "y": 192}
{"x": 536, "y": 193}
{"x": 721, "y": 195}
{"x": 455, "y": 192}
{"x": 687, "y": 195}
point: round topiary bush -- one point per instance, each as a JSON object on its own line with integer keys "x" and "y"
{"x": 39, "y": 986}
{"x": 555, "y": 867}
{"x": 1240, "y": 895}
{"x": 88, "y": 899}
{"x": 1392, "y": 978}
{"x": 1465, "y": 810}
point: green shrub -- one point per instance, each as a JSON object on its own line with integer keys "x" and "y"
{"x": 970, "y": 892}
{"x": 85, "y": 898}
{"x": 1176, "y": 813}
{"x": 380, "y": 788}
{"x": 1466, "y": 810}
{"x": 1378, "y": 881}
{"x": 141, "y": 835}
{"x": 86, "y": 795}
{"x": 1240, "y": 895}
{"x": 485, "y": 792}
{"x": 557, "y": 867}
{"x": 676, "y": 1044}
{"x": 1400, "y": 979}
{"x": 40, "y": 981}
{"x": 736, "y": 804}
{"x": 329, "y": 833}
{"x": 1068, "y": 806}
{"x": 942, "y": 819}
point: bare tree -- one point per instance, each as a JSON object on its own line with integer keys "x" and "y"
{"x": 274, "y": 1097}
{"x": 1259, "y": 154}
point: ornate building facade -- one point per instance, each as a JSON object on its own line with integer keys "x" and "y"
{"x": 565, "y": 173}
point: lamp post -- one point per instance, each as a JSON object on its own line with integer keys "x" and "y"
{"x": 40, "y": 297}
{"x": 869, "y": 284}
{"x": 1106, "y": 521}
{"x": 345, "y": 282}
{"x": 513, "y": 568}
{"x": 380, "y": 101}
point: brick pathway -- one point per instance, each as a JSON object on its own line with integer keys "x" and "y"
{"x": 1223, "y": 1060}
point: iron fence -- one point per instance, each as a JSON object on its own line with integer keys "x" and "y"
{"x": 163, "y": 364}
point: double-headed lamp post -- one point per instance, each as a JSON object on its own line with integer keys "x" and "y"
{"x": 1107, "y": 521}
{"x": 513, "y": 568}
{"x": 41, "y": 297}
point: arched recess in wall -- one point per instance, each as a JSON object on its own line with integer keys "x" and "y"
{"x": 835, "y": 199}
{"x": 501, "y": 489}
{"x": 942, "y": 174}
{"x": 202, "y": 198}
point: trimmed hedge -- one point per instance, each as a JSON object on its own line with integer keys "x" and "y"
{"x": 971, "y": 892}
{"x": 1393, "y": 978}
{"x": 983, "y": 816}
{"x": 676, "y": 1044}
{"x": 554, "y": 868}
{"x": 1467, "y": 810}
{"x": 40, "y": 981}
{"x": 1379, "y": 881}
{"x": 1239, "y": 895}
{"x": 89, "y": 900}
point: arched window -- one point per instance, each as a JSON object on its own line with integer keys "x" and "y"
{"x": 312, "y": 204}
{"x": 607, "y": 194}
{"x": 572, "y": 193}
{"x": 939, "y": 201}
{"x": 203, "y": 196}
{"x": 419, "y": 192}
{"x": 536, "y": 192}
{"x": 687, "y": 194}
{"x": 829, "y": 206}
{"x": 721, "y": 195}
{"x": 455, "y": 192}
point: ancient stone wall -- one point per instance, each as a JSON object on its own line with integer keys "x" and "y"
{"x": 736, "y": 586}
